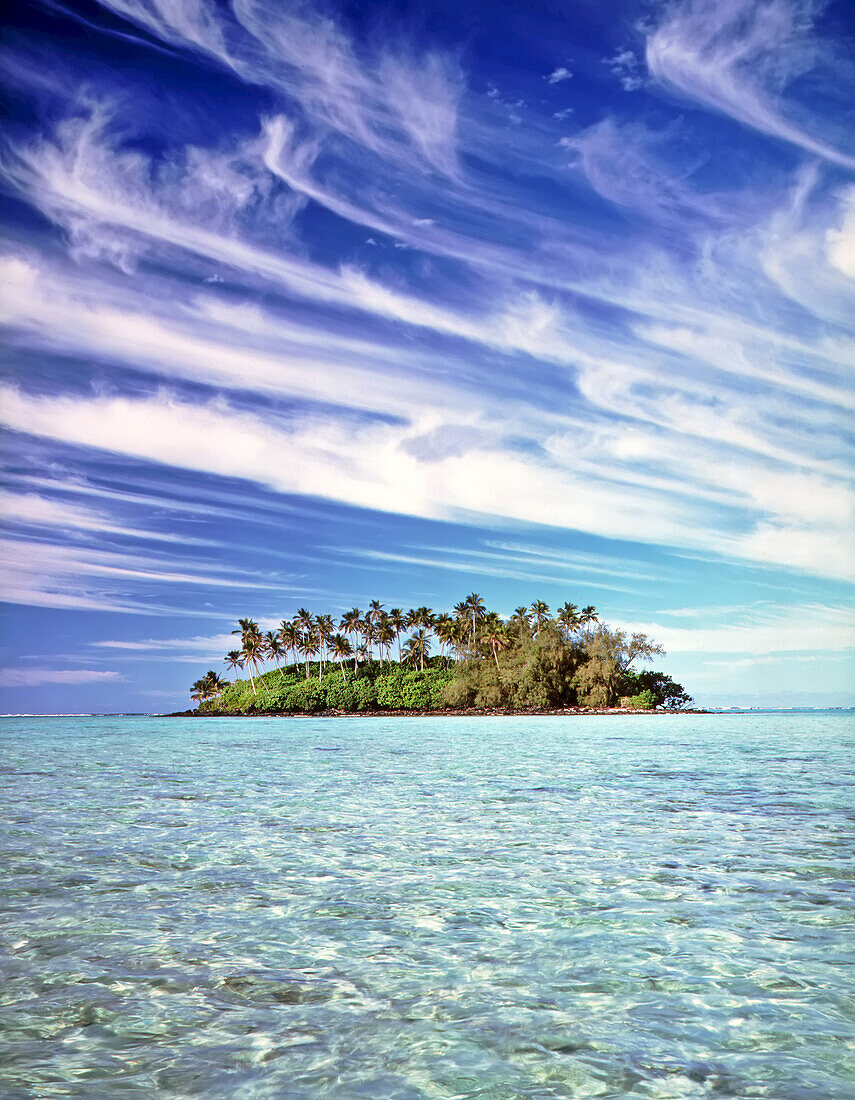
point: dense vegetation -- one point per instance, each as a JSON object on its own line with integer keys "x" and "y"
{"x": 532, "y": 660}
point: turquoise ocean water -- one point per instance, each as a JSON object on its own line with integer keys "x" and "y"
{"x": 408, "y": 908}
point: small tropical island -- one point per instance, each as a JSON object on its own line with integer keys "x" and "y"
{"x": 469, "y": 660}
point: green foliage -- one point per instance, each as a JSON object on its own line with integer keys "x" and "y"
{"x": 341, "y": 697}
{"x": 232, "y": 700}
{"x": 534, "y": 670}
{"x": 415, "y": 691}
{"x": 437, "y": 680}
{"x": 306, "y": 697}
{"x": 645, "y": 700}
{"x": 665, "y": 692}
{"x": 458, "y": 692}
{"x": 275, "y": 698}
{"x": 412, "y": 691}
{"x": 602, "y": 675}
{"x": 390, "y": 690}
{"x": 531, "y": 661}
{"x": 366, "y": 693}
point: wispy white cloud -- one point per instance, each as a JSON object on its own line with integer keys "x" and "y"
{"x": 736, "y": 56}
{"x": 559, "y": 75}
{"x": 672, "y": 370}
{"x": 96, "y": 191}
{"x": 372, "y": 465}
{"x": 759, "y": 631}
{"x": 36, "y": 677}
{"x": 549, "y": 572}
{"x": 626, "y": 66}
{"x": 840, "y": 239}
{"x": 802, "y": 246}
{"x": 394, "y": 102}
{"x": 210, "y": 341}
{"x": 191, "y": 649}
{"x": 625, "y": 164}
{"x": 39, "y": 510}
{"x": 40, "y": 572}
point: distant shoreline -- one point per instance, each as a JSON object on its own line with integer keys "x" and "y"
{"x": 567, "y": 712}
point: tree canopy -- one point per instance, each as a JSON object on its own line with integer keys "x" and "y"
{"x": 471, "y": 657}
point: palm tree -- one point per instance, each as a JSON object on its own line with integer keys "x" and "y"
{"x": 253, "y": 653}
{"x": 350, "y": 622}
{"x": 215, "y": 684}
{"x": 568, "y": 617}
{"x": 460, "y": 637}
{"x": 588, "y": 615}
{"x": 540, "y": 612}
{"x": 324, "y": 628}
{"x": 425, "y": 618}
{"x": 289, "y": 634}
{"x": 398, "y": 622}
{"x": 341, "y": 648}
{"x": 208, "y": 686}
{"x": 385, "y": 636}
{"x": 309, "y": 646}
{"x": 444, "y": 628}
{"x": 246, "y": 626}
{"x": 234, "y": 660}
{"x": 419, "y": 647}
{"x": 305, "y": 620}
{"x": 495, "y": 635}
{"x": 475, "y": 610}
{"x": 252, "y": 646}
{"x": 522, "y": 615}
{"x": 410, "y": 652}
{"x": 374, "y": 616}
{"x": 366, "y": 629}
{"x": 275, "y": 648}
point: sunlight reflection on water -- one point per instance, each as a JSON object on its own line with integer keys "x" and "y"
{"x": 441, "y": 908}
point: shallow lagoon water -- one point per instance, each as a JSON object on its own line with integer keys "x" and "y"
{"x": 406, "y": 908}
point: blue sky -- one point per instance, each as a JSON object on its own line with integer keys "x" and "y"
{"x": 308, "y": 305}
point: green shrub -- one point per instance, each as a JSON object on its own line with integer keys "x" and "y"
{"x": 237, "y": 699}
{"x": 534, "y": 695}
{"x": 436, "y": 682}
{"x": 415, "y": 691}
{"x": 390, "y": 691}
{"x": 340, "y": 696}
{"x": 306, "y": 696}
{"x": 366, "y": 694}
{"x": 458, "y": 692}
{"x": 275, "y": 698}
{"x": 645, "y": 700}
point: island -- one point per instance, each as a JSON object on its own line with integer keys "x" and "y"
{"x": 469, "y": 660}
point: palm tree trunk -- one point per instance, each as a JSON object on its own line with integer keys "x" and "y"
{"x": 264, "y": 682}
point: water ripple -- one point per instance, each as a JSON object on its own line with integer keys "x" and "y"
{"x": 539, "y": 908}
